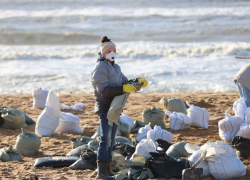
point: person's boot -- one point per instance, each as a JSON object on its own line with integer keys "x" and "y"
{"x": 102, "y": 171}
{"x": 109, "y": 170}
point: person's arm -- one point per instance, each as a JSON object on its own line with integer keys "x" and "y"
{"x": 124, "y": 79}
{"x": 100, "y": 79}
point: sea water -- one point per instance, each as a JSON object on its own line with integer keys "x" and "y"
{"x": 178, "y": 46}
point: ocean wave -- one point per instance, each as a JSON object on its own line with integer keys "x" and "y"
{"x": 128, "y": 12}
{"x": 127, "y": 51}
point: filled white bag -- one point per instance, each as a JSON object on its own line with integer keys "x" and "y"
{"x": 240, "y": 109}
{"x": 39, "y": 98}
{"x": 178, "y": 121}
{"x": 199, "y": 117}
{"x": 142, "y": 133}
{"x": 158, "y": 133}
{"x": 222, "y": 161}
{"x": 203, "y": 164}
{"x": 229, "y": 126}
{"x": 128, "y": 120}
{"x": 69, "y": 123}
{"x": 48, "y": 121}
{"x": 144, "y": 147}
{"x": 244, "y": 129}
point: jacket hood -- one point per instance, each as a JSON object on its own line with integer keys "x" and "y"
{"x": 100, "y": 57}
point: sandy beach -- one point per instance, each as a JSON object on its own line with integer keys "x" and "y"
{"x": 59, "y": 143}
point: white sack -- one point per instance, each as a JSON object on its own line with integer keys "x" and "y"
{"x": 178, "y": 121}
{"x": 69, "y": 123}
{"x": 240, "y": 108}
{"x": 203, "y": 164}
{"x": 144, "y": 147}
{"x": 128, "y": 120}
{"x": 244, "y": 130}
{"x": 39, "y": 98}
{"x": 142, "y": 133}
{"x": 48, "y": 121}
{"x": 158, "y": 133}
{"x": 229, "y": 126}
{"x": 199, "y": 117}
{"x": 222, "y": 161}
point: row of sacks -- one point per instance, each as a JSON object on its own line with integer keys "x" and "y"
{"x": 27, "y": 144}
{"x": 53, "y": 120}
{"x": 196, "y": 117}
{"x": 238, "y": 125}
{"x": 12, "y": 118}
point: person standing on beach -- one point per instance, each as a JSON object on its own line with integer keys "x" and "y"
{"x": 242, "y": 80}
{"x": 108, "y": 81}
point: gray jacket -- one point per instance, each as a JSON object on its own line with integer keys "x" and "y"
{"x": 107, "y": 81}
{"x": 243, "y": 76}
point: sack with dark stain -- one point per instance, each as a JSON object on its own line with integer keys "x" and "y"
{"x": 58, "y": 161}
{"x": 124, "y": 149}
{"x": 162, "y": 145}
{"x": 242, "y": 145}
{"x": 163, "y": 166}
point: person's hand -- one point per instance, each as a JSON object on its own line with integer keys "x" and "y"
{"x": 128, "y": 88}
{"x": 145, "y": 82}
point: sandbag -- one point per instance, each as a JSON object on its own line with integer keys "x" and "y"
{"x": 124, "y": 129}
{"x": 93, "y": 145}
{"x": 48, "y": 121}
{"x": 142, "y": 133}
{"x": 167, "y": 167}
{"x": 154, "y": 116}
{"x": 128, "y": 120}
{"x": 28, "y": 120}
{"x": 134, "y": 172}
{"x": 137, "y": 126}
{"x": 78, "y": 141}
{"x": 229, "y": 126}
{"x": 173, "y": 104}
{"x": 10, "y": 154}
{"x": 178, "y": 121}
{"x": 69, "y": 123}
{"x": 242, "y": 145}
{"x": 120, "y": 139}
{"x": 1, "y": 119}
{"x": 60, "y": 161}
{"x": 240, "y": 109}
{"x": 203, "y": 164}
{"x": 158, "y": 133}
{"x": 199, "y": 117}
{"x": 118, "y": 161}
{"x": 177, "y": 150}
{"x": 28, "y": 143}
{"x": 244, "y": 130}
{"x": 77, "y": 151}
{"x": 162, "y": 145}
{"x": 125, "y": 149}
{"x": 82, "y": 164}
{"x": 13, "y": 118}
{"x": 146, "y": 173}
{"x": 222, "y": 161}
{"x": 39, "y": 98}
{"x": 144, "y": 147}
{"x": 135, "y": 161}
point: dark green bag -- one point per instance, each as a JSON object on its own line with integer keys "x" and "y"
{"x": 154, "y": 116}
{"x": 173, "y": 104}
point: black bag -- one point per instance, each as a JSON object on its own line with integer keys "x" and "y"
{"x": 1, "y": 119}
{"x": 163, "y": 166}
{"x": 89, "y": 155}
{"x": 162, "y": 145}
{"x": 61, "y": 161}
{"x": 242, "y": 145}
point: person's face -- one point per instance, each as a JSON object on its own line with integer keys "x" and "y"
{"x": 109, "y": 51}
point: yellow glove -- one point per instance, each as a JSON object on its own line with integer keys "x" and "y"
{"x": 128, "y": 88}
{"x": 145, "y": 82}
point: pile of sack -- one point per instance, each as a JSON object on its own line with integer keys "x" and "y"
{"x": 53, "y": 120}
{"x": 238, "y": 125}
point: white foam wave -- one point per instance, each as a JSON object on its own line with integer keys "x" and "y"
{"x": 128, "y": 12}
{"x": 128, "y": 50}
